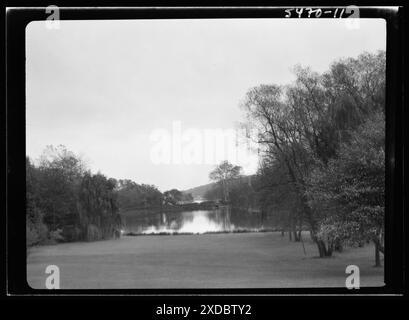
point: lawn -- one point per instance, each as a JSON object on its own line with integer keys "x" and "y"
{"x": 237, "y": 260}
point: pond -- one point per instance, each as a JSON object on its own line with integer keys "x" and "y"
{"x": 223, "y": 219}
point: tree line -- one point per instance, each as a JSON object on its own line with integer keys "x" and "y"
{"x": 132, "y": 195}
{"x": 321, "y": 142}
{"x": 65, "y": 201}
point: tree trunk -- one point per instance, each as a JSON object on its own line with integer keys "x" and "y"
{"x": 338, "y": 246}
{"x": 377, "y": 255}
{"x": 378, "y": 249}
{"x": 263, "y": 215}
{"x": 296, "y": 236}
{"x": 308, "y": 213}
{"x": 225, "y": 191}
{"x": 303, "y": 246}
{"x": 294, "y": 229}
{"x": 330, "y": 249}
{"x": 323, "y": 250}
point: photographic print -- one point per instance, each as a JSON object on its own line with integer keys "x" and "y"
{"x": 205, "y": 153}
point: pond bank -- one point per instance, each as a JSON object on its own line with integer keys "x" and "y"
{"x": 235, "y": 260}
{"x": 205, "y": 205}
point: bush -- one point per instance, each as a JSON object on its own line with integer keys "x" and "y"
{"x": 55, "y": 236}
{"x": 36, "y": 230}
{"x": 71, "y": 233}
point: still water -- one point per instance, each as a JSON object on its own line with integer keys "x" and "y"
{"x": 199, "y": 221}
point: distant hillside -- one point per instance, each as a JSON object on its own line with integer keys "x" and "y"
{"x": 200, "y": 191}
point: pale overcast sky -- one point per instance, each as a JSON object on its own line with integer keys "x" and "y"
{"x": 101, "y": 88}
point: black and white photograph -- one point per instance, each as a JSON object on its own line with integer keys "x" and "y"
{"x": 241, "y": 153}
{"x": 206, "y": 153}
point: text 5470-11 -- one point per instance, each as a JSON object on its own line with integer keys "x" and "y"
{"x": 225, "y": 309}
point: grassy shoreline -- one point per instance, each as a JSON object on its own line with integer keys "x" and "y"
{"x": 135, "y": 211}
{"x": 228, "y": 260}
{"x": 176, "y": 233}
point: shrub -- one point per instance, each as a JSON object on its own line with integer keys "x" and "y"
{"x": 36, "y": 230}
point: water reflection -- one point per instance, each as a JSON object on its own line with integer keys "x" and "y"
{"x": 198, "y": 221}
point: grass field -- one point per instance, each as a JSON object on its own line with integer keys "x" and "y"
{"x": 241, "y": 260}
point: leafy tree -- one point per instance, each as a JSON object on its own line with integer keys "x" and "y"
{"x": 60, "y": 173}
{"x": 278, "y": 197}
{"x": 283, "y": 140}
{"x": 351, "y": 189}
{"x": 51, "y": 194}
{"x": 131, "y": 194}
{"x": 303, "y": 125}
{"x": 98, "y": 210}
{"x": 172, "y": 197}
{"x": 63, "y": 201}
{"x": 223, "y": 174}
{"x": 36, "y": 230}
{"x": 128, "y": 194}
